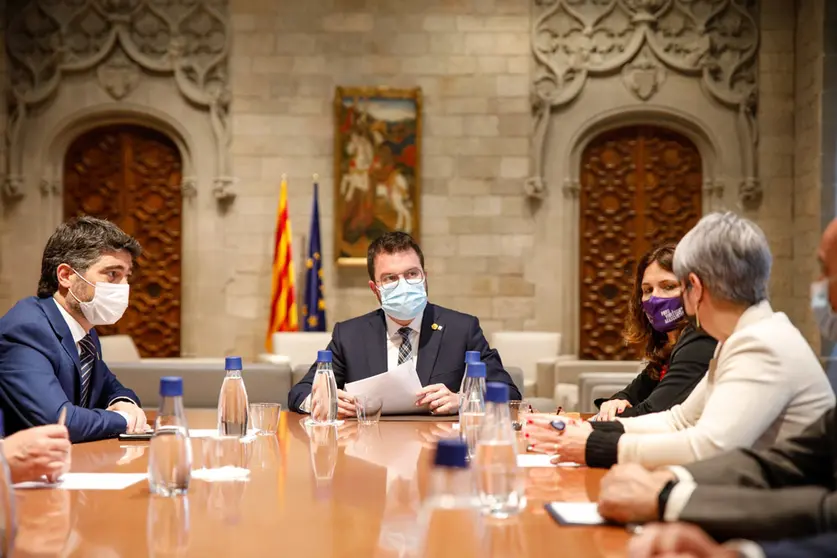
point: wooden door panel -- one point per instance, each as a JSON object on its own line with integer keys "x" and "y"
{"x": 131, "y": 176}
{"x": 640, "y": 187}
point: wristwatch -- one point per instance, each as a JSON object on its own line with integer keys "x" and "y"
{"x": 662, "y": 498}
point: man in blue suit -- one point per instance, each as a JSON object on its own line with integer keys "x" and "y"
{"x": 405, "y": 327}
{"x": 50, "y": 356}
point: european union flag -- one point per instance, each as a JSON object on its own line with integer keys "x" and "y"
{"x": 313, "y": 307}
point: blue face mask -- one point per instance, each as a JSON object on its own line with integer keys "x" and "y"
{"x": 821, "y": 306}
{"x": 405, "y": 301}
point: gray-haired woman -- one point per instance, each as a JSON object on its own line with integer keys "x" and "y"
{"x": 764, "y": 383}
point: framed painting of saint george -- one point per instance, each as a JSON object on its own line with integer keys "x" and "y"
{"x": 377, "y": 154}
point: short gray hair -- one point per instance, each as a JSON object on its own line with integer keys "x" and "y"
{"x": 729, "y": 254}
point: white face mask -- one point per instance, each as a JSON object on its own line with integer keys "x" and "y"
{"x": 821, "y": 306}
{"x": 110, "y": 300}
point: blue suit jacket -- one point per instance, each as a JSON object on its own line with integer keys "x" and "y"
{"x": 40, "y": 374}
{"x": 821, "y": 546}
{"x": 359, "y": 350}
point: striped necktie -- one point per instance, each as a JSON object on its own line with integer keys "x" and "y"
{"x": 406, "y": 347}
{"x": 87, "y": 356}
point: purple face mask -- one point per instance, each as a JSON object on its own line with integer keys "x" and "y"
{"x": 663, "y": 313}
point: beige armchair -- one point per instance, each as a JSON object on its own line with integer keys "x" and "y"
{"x": 523, "y": 350}
{"x": 562, "y": 375}
{"x": 296, "y": 348}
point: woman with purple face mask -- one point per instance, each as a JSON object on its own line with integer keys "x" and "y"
{"x": 676, "y": 353}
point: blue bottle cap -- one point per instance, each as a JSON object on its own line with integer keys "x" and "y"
{"x": 171, "y": 386}
{"x": 472, "y": 357}
{"x": 452, "y": 453}
{"x": 496, "y": 392}
{"x": 476, "y": 370}
{"x": 323, "y": 356}
{"x": 233, "y": 363}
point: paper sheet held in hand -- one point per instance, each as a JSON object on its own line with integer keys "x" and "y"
{"x": 88, "y": 481}
{"x": 398, "y": 389}
{"x": 575, "y": 513}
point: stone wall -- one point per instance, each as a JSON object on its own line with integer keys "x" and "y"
{"x": 776, "y": 145}
{"x": 471, "y": 58}
{"x": 808, "y": 161}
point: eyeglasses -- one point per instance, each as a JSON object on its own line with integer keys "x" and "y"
{"x": 412, "y": 276}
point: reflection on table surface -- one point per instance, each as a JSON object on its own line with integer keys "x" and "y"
{"x": 348, "y": 490}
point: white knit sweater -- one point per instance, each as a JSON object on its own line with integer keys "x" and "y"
{"x": 764, "y": 383}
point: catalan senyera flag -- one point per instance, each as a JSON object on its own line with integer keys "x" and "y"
{"x": 313, "y": 303}
{"x": 283, "y": 314}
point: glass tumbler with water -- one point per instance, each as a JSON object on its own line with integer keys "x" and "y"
{"x": 368, "y": 409}
{"x": 170, "y": 451}
{"x": 500, "y": 480}
{"x": 324, "y": 391}
{"x": 232, "y": 401}
{"x": 451, "y": 511}
{"x": 472, "y": 406}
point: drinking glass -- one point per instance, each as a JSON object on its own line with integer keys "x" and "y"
{"x": 519, "y": 410}
{"x": 368, "y": 409}
{"x": 264, "y": 418}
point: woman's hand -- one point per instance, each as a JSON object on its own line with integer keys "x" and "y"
{"x": 569, "y": 444}
{"x": 610, "y": 409}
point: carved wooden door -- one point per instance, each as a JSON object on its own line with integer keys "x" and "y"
{"x": 640, "y": 187}
{"x": 131, "y": 176}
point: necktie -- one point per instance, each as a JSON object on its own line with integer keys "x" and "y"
{"x": 406, "y": 347}
{"x": 87, "y": 356}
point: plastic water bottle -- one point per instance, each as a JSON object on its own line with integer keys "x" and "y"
{"x": 472, "y": 406}
{"x": 232, "y": 402}
{"x": 500, "y": 482}
{"x": 170, "y": 451}
{"x": 324, "y": 404}
{"x": 471, "y": 357}
{"x": 8, "y": 522}
{"x": 451, "y": 511}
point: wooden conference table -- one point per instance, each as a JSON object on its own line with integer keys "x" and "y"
{"x": 290, "y": 506}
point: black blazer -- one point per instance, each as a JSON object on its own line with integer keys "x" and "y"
{"x": 359, "y": 351}
{"x": 787, "y": 491}
{"x": 687, "y": 365}
{"x": 821, "y": 546}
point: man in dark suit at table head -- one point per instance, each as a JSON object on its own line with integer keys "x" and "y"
{"x": 50, "y": 356}
{"x": 406, "y": 326}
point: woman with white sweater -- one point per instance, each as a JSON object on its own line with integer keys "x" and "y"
{"x": 764, "y": 382}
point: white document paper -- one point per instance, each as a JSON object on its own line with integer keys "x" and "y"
{"x": 577, "y": 513}
{"x": 540, "y": 460}
{"x": 397, "y": 388}
{"x": 88, "y": 481}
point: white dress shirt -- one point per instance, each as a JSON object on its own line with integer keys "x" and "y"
{"x": 78, "y": 334}
{"x": 393, "y": 342}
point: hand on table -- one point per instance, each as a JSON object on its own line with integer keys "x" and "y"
{"x": 568, "y": 444}
{"x": 37, "y": 452}
{"x": 610, "y": 409}
{"x": 629, "y": 493}
{"x": 439, "y": 399}
{"x": 678, "y": 540}
{"x": 137, "y": 422}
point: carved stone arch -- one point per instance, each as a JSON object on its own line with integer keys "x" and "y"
{"x": 697, "y": 132}
{"x": 73, "y": 125}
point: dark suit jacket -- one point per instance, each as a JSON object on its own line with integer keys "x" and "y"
{"x": 359, "y": 351}
{"x": 40, "y": 373}
{"x": 821, "y": 546}
{"x": 687, "y": 366}
{"x": 788, "y": 491}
